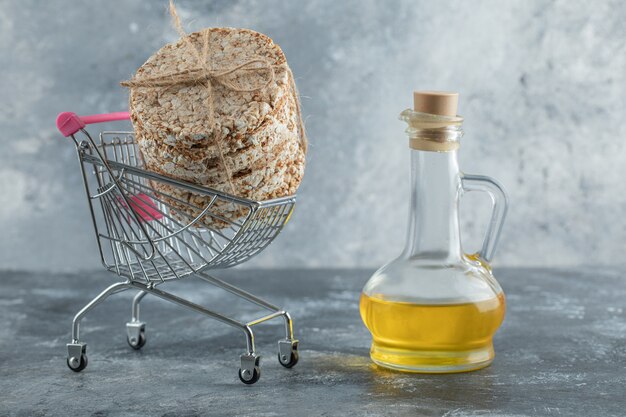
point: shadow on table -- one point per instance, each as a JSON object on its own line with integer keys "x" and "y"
{"x": 478, "y": 389}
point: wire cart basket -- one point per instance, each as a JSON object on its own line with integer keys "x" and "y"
{"x": 148, "y": 235}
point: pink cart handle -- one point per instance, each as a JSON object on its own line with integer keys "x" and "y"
{"x": 69, "y": 123}
{"x": 145, "y": 207}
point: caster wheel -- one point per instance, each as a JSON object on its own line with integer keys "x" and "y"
{"x": 288, "y": 353}
{"x": 137, "y": 343}
{"x": 289, "y": 362}
{"x": 256, "y": 374}
{"x": 250, "y": 370}
{"x": 77, "y": 365}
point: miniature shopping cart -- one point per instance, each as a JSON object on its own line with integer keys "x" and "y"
{"x": 148, "y": 235}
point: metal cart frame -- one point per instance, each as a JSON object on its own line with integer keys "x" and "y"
{"x": 148, "y": 234}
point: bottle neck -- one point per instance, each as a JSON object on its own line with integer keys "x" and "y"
{"x": 433, "y": 232}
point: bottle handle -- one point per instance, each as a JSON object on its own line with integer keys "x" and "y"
{"x": 500, "y": 206}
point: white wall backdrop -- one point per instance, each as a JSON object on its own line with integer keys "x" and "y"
{"x": 543, "y": 91}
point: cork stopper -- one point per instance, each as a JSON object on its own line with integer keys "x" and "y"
{"x": 442, "y": 103}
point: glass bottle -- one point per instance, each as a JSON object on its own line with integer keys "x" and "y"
{"x": 435, "y": 309}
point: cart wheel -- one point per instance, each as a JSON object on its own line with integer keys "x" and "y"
{"x": 289, "y": 362}
{"x": 256, "y": 374}
{"x": 288, "y": 353}
{"x": 137, "y": 343}
{"x": 77, "y": 365}
{"x": 136, "y": 334}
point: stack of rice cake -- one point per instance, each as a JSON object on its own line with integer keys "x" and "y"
{"x": 257, "y": 132}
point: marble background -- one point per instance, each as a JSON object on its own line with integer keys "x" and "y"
{"x": 542, "y": 88}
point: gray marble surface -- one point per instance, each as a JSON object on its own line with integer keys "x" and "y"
{"x": 561, "y": 351}
{"x": 543, "y": 92}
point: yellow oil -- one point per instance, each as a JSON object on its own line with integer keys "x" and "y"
{"x": 432, "y": 338}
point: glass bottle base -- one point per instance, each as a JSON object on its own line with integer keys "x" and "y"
{"x": 432, "y": 362}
